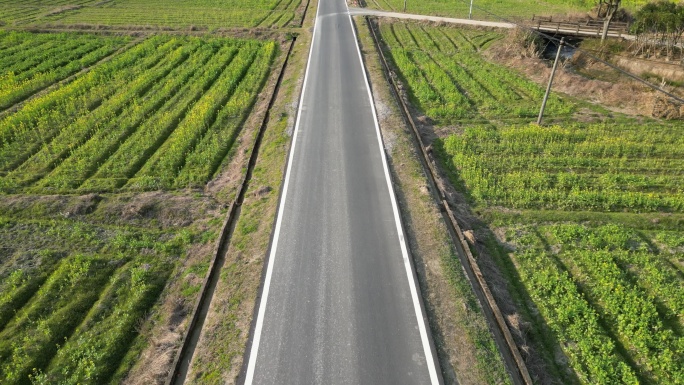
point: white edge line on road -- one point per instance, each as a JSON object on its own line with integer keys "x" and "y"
{"x": 402, "y": 241}
{"x": 251, "y": 366}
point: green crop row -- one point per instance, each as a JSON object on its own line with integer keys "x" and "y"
{"x": 105, "y": 333}
{"x": 72, "y": 314}
{"x": 632, "y": 314}
{"x": 43, "y": 67}
{"x": 134, "y": 152}
{"x": 114, "y": 108}
{"x": 632, "y": 254}
{"x": 145, "y": 13}
{"x": 71, "y": 137}
{"x": 164, "y": 165}
{"x": 17, "y": 47}
{"x": 449, "y": 80}
{"x": 576, "y": 324}
{"x": 24, "y": 132}
{"x": 83, "y": 160}
{"x": 627, "y": 284}
{"x": 570, "y": 167}
{"x": 202, "y": 163}
{"x": 166, "y": 113}
{"x": 35, "y": 332}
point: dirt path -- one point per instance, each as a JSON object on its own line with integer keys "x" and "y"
{"x": 397, "y": 15}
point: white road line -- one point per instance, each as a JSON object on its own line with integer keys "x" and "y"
{"x": 251, "y": 366}
{"x": 402, "y": 241}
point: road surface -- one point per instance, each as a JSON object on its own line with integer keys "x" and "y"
{"x": 339, "y": 303}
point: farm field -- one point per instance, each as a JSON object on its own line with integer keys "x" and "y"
{"x": 171, "y": 14}
{"x": 32, "y": 62}
{"x": 449, "y": 81}
{"x": 610, "y": 292}
{"x": 164, "y": 113}
{"x": 107, "y": 220}
{"x": 602, "y": 167}
{"x": 583, "y": 217}
{"x": 486, "y": 9}
{"x": 80, "y": 276}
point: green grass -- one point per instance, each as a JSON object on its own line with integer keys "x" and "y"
{"x": 156, "y": 13}
{"x": 162, "y": 114}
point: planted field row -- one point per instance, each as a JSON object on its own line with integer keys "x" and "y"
{"x": 450, "y": 81}
{"x": 27, "y": 12}
{"x": 203, "y": 13}
{"x": 577, "y": 167}
{"x": 163, "y": 114}
{"x": 73, "y": 314}
{"x": 613, "y": 300}
{"x": 31, "y": 62}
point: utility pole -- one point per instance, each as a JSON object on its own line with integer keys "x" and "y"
{"x": 548, "y": 88}
{"x": 470, "y": 14}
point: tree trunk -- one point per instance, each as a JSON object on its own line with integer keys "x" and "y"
{"x": 611, "y": 9}
{"x": 606, "y": 24}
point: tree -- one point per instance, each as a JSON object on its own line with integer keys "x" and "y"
{"x": 659, "y": 25}
{"x": 608, "y": 8}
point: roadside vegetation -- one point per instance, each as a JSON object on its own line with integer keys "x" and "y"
{"x": 582, "y": 217}
{"x": 659, "y": 27}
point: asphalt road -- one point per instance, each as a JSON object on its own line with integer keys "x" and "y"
{"x": 339, "y": 304}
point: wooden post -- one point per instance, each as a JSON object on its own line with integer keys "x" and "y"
{"x": 470, "y": 14}
{"x": 404, "y": 6}
{"x": 548, "y": 88}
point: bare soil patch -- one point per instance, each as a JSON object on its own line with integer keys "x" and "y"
{"x": 582, "y": 77}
